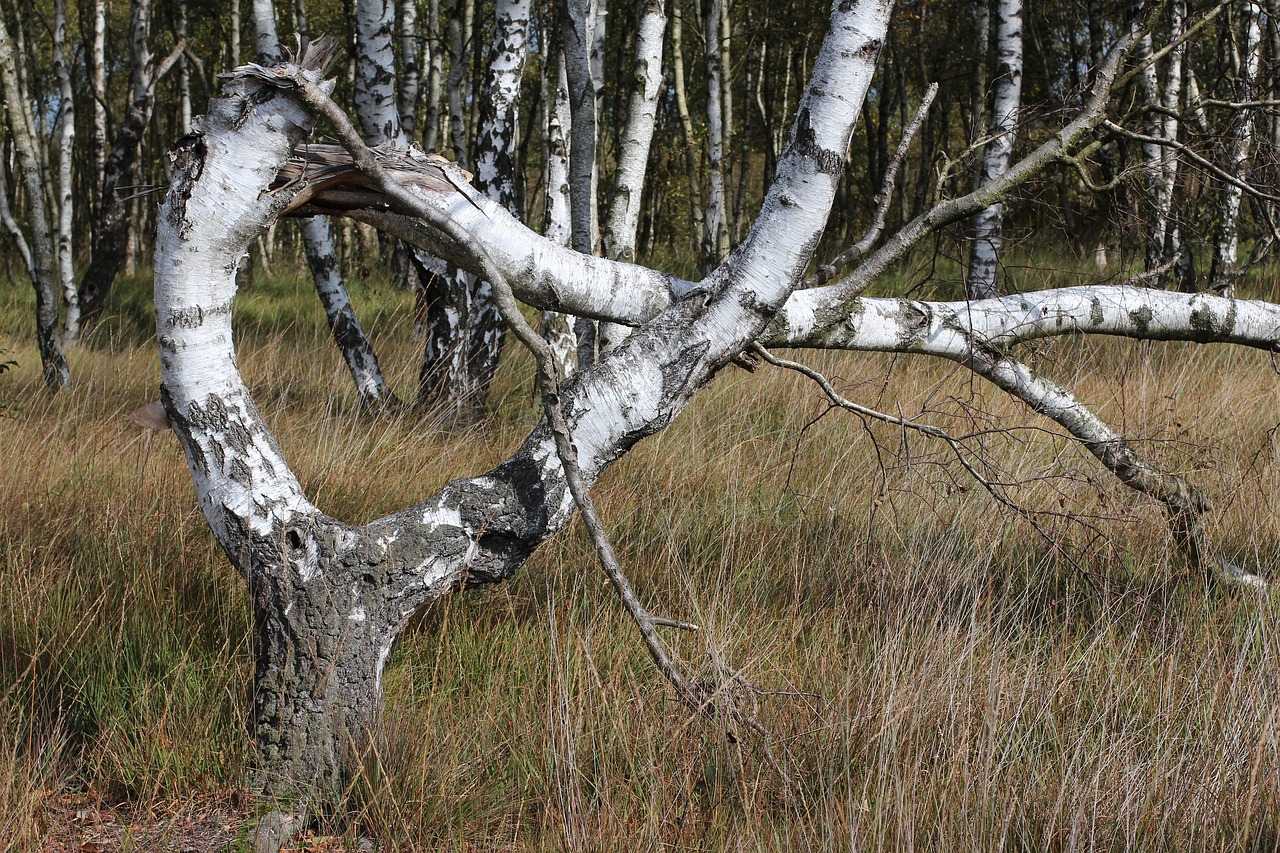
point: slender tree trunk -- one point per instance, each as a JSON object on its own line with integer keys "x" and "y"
{"x": 981, "y": 65}
{"x": 715, "y": 232}
{"x": 692, "y": 160}
{"x": 557, "y": 328}
{"x": 1222, "y": 273}
{"x": 410, "y": 66}
{"x": 462, "y": 383}
{"x": 184, "y": 74}
{"x": 987, "y": 224}
{"x": 114, "y": 213}
{"x": 580, "y": 31}
{"x": 98, "y": 86}
{"x": 44, "y": 267}
{"x": 234, "y": 35}
{"x": 633, "y": 153}
{"x": 66, "y": 133}
{"x": 435, "y": 69}
{"x": 457, "y": 84}
{"x": 322, "y": 258}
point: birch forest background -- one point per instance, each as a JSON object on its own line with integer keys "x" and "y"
{"x": 974, "y": 637}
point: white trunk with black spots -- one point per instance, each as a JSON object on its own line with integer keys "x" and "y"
{"x": 322, "y": 259}
{"x": 1238, "y": 144}
{"x": 375, "y": 95}
{"x": 988, "y": 223}
{"x": 467, "y": 348}
{"x": 329, "y": 598}
{"x": 66, "y": 133}
{"x": 557, "y": 328}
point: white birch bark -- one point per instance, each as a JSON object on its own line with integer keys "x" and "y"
{"x": 715, "y": 231}
{"x": 1239, "y": 143}
{"x": 462, "y": 381}
{"x": 458, "y": 38}
{"x": 557, "y": 327}
{"x": 98, "y": 85}
{"x": 375, "y": 94}
{"x": 329, "y": 599}
{"x": 988, "y": 224}
{"x": 633, "y": 154}
{"x": 44, "y": 267}
{"x": 66, "y": 134}
{"x": 322, "y": 259}
{"x": 692, "y": 160}
{"x": 410, "y": 65}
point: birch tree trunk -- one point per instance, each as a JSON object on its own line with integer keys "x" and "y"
{"x": 329, "y": 598}
{"x": 558, "y": 328}
{"x": 461, "y": 376}
{"x": 633, "y": 154}
{"x": 43, "y": 252}
{"x": 98, "y": 86}
{"x": 435, "y": 69}
{"x": 410, "y": 66}
{"x": 988, "y": 224}
{"x": 322, "y": 259}
{"x": 715, "y": 231}
{"x": 579, "y": 38}
{"x": 113, "y": 221}
{"x": 692, "y": 164}
{"x": 1222, "y": 273}
{"x": 66, "y": 134}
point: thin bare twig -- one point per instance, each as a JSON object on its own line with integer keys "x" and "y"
{"x": 884, "y": 198}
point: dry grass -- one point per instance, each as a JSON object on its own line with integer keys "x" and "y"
{"x": 942, "y": 676}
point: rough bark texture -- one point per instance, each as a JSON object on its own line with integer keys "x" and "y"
{"x": 988, "y": 224}
{"x": 329, "y": 599}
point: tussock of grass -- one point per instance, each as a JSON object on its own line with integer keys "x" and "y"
{"x": 942, "y": 677}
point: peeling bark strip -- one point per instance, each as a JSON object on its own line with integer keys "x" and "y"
{"x": 328, "y": 598}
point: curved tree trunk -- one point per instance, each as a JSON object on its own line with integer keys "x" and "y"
{"x": 330, "y": 598}
{"x": 988, "y": 224}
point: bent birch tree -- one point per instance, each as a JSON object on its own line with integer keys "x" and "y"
{"x": 329, "y": 598}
